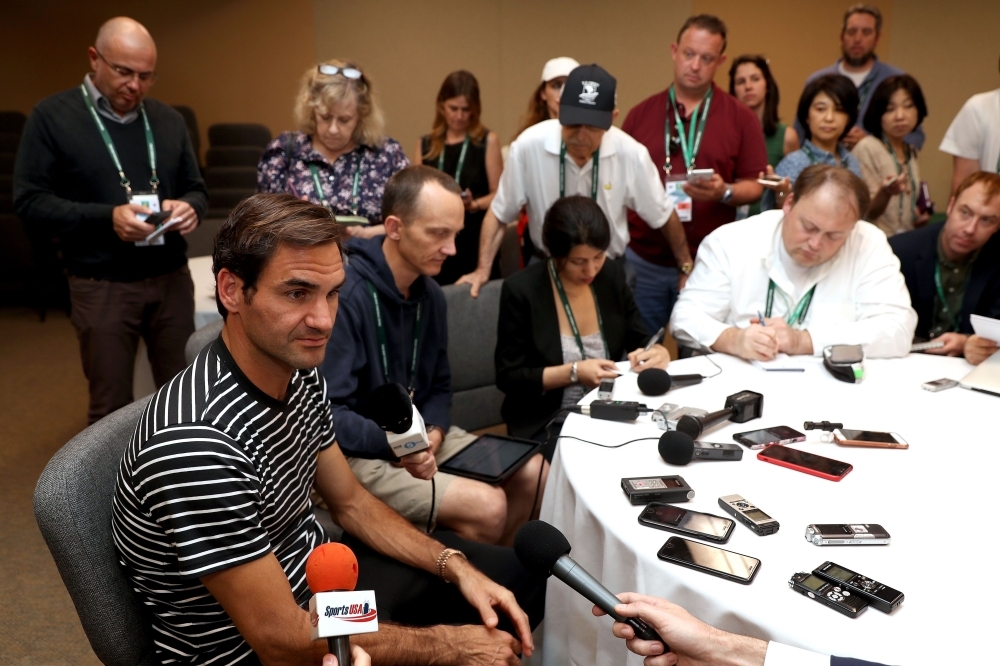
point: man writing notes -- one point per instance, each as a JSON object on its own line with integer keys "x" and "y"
{"x": 94, "y": 161}
{"x": 818, "y": 274}
{"x": 580, "y": 153}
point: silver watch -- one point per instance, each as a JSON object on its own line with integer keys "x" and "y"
{"x": 573, "y": 376}
{"x": 727, "y": 195}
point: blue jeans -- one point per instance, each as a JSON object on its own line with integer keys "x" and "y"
{"x": 655, "y": 290}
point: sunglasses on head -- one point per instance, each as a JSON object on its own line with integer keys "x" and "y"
{"x": 333, "y": 70}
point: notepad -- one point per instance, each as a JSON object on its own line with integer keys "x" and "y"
{"x": 985, "y": 327}
{"x": 780, "y": 363}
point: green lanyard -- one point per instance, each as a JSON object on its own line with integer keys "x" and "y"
{"x": 353, "y": 218}
{"x": 383, "y": 346}
{"x": 864, "y": 91}
{"x": 572, "y": 319}
{"x": 798, "y": 315}
{"x": 692, "y": 143}
{"x": 594, "y": 172}
{"x": 461, "y": 160}
{"x": 899, "y": 170}
{"x": 154, "y": 181}
{"x": 953, "y": 321}
{"x": 814, "y": 158}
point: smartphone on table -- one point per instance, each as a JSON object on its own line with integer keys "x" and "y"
{"x": 709, "y": 559}
{"x": 869, "y": 438}
{"x": 759, "y": 439}
{"x": 808, "y": 463}
{"x": 689, "y": 523}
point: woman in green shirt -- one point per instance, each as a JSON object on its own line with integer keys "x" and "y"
{"x": 751, "y": 82}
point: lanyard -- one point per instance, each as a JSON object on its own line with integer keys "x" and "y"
{"x": 692, "y": 143}
{"x": 864, "y": 91}
{"x": 899, "y": 170}
{"x": 154, "y": 181}
{"x": 814, "y": 158}
{"x": 572, "y": 319}
{"x": 383, "y": 346}
{"x": 796, "y": 316}
{"x": 354, "y": 188}
{"x": 461, "y": 159}
{"x": 952, "y": 320}
{"x": 594, "y": 171}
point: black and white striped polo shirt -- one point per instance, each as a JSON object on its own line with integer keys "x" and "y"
{"x": 217, "y": 474}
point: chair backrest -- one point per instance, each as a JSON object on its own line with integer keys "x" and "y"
{"x": 472, "y": 340}
{"x": 12, "y": 121}
{"x": 239, "y": 134}
{"x": 203, "y": 336}
{"x": 73, "y": 509}
{"x": 191, "y": 120}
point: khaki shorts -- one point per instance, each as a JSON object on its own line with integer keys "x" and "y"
{"x": 406, "y": 495}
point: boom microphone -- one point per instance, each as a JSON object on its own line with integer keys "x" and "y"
{"x": 677, "y": 448}
{"x": 654, "y": 381}
{"x": 740, "y": 408}
{"x": 544, "y": 550}
{"x": 336, "y": 612}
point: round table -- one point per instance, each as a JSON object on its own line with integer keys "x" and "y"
{"x": 932, "y": 498}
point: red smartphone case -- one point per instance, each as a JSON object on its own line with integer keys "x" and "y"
{"x": 805, "y": 470}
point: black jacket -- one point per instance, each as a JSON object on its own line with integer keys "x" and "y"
{"x": 917, "y": 252}
{"x": 528, "y": 340}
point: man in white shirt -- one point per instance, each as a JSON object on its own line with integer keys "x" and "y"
{"x": 695, "y": 642}
{"x": 580, "y": 153}
{"x": 817, "y": 274}
{"x": 973, "y": 138}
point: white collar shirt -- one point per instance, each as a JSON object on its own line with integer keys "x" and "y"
{"x": 860, "y": 298}
{"x": 627, "y": 179}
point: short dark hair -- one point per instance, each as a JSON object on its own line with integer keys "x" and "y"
{"x": 258, "y": 226}
{"x": 862, "y": 8}
{"x": 572, "y": 221}
{"x": 771, "y": 97}
{"x": 880, "y": 101}
{"x": 707, "y": 22}
{"x": 840, "y": 89}
{"x": 402, "y": 191}
{"x": 816, "y": 176}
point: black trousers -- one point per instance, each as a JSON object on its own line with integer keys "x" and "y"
{"x": 417, "y": 598}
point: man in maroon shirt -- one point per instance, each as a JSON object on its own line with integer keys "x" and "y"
{"x": 712, "y": 131}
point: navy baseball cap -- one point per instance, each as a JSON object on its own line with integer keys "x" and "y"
{"x": 588, "y": 98}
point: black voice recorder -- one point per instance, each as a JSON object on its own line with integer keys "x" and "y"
{"x": 828, "y": 594}
{"x": 643, "y": 490}
{"x": 880, "y": 596}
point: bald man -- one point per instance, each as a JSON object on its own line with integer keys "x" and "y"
{"x": 95, "y": 161}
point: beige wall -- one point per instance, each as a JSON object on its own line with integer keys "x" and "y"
{"x": 240, "y": 60}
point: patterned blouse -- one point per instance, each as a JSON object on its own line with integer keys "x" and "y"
{"x": 276, "y": 173}
{"x": 797, "y": 161}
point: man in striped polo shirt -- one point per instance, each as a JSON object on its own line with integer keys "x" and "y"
{"x": 212, "y": 517}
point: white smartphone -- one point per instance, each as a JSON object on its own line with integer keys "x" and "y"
{"x": 700, "y": 174}
{"x": 770, "y": 180}
{"x": 869, "y": 438}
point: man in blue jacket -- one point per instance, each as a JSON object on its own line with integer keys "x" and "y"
{"x": 953, "y": 270}
{"x": 423, "y": 212}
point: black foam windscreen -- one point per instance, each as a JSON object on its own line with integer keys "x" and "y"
{"x": 654, "y": 381}
{"x": 676, "y": 448}
{"x": 390, "y": 408}
{"x": 539, "y": 546}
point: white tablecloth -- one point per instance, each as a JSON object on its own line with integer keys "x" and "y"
{"x": 934, "y": 499}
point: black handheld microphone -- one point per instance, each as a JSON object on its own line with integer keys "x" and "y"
{"x": 389, "y": 406}
{"x": 544, "y": 550}
{"x": 740, "y": 408}
{"x": 654, "y": 381}
{"x": 677, "y": 448}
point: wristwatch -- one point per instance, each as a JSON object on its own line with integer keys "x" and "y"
{"x": 728, "y": 195}
{"x": 573, "y": 376}
{"x": 686, "y": 268}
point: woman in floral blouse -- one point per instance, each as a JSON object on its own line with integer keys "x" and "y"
{"x": 340, "y": 157}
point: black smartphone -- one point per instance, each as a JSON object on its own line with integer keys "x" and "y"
{"x": 684, "y": 521}
{"x": 758, "y": 439}
{"x": 709, "y": 559}
{"x": 156, "y": 219}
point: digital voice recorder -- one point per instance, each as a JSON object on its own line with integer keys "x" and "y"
{"x": 867, "y": 534}
{"x": 745, "y": 512}
{"x": 657, "y": 489}
{"x": 881, "y": 597}
{"x": 828, "y": 594}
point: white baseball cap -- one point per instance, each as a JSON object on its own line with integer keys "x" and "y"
{"x": 558, "y": 67}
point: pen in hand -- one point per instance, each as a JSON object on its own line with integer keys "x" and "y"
{"x": 760, "y": 318}
{"x": 653, "y": 340}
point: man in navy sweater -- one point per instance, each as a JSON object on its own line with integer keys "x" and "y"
{"x": 422, "y": 210}
{"x": 952, "y": 270}
{"x": 93, "y": 162}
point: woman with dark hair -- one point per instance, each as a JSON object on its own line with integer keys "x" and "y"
{"x": 564, "y": 322}
{"x": 828, "y": 109}
{"x": 889, "y": 164}
{"x": 460, "y": 146}
{"x": 544, "y": 103}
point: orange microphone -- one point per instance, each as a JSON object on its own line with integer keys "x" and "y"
{"x": 336, "y": 610}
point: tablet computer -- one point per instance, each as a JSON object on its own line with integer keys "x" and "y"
{"x": 490, "y": 458}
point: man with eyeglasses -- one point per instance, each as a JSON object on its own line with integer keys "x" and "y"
{"x": 716, "y": 151}
{"x": 94, "y": 162}
{"x": 859, "y": 37}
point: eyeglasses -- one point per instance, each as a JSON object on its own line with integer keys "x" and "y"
{"x": 125, "y": 72}
{"x": 333, "y": 70}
